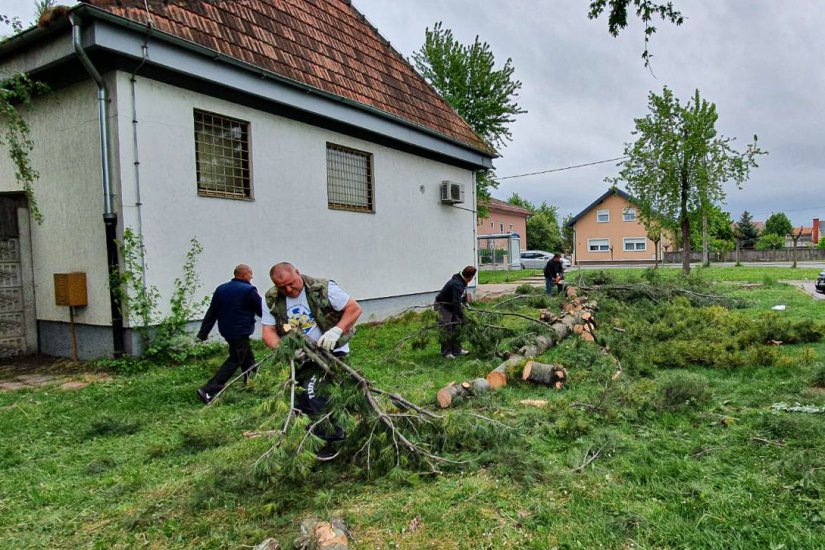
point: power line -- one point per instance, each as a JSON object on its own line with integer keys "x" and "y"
{"x": 558, "y": 169}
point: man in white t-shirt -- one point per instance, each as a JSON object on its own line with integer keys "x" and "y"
{"x": 322, "y": 311}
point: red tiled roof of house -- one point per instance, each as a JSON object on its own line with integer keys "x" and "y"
{"x": 325, "y": 44}
{"x": 496, "y": 204}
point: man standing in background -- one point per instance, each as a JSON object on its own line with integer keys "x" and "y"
{"x": 234, "y": 306}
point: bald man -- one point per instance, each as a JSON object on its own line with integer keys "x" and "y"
{"x": 234, "y": 306}
{"x": 327, "y": 315}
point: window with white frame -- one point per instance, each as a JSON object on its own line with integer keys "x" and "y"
{"x": 598, "y": 245}
{"x": 635, "y": 244}
{"x": 222, "y": 156}
{"x": 603, "y": 216}
{"x": 349, "y": 179}
{"x": 501, "y": 228}
{"x": 629, "y": 214}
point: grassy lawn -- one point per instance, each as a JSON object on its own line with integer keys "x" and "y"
{"x": 744, "y": 274}
{"x": 506, "y": 276}
{"x": 684, "y": 457}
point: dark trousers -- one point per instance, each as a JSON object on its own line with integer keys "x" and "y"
{"x": 448, "y": 323}
{"x": 548, "y": 286}
{"x": 312, "y": 400}
{"x": 240, "y": 355}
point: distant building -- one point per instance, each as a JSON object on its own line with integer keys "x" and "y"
{"x": 503, "y": 217}
{"x": 609, "y": 231}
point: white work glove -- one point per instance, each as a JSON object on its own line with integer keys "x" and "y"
{"x": 330, "y": 338}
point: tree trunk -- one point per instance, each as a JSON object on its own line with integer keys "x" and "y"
{"x": 544, "y": 374}
{"x": 685, "y": 225}
{"x": 656, "y": 253}
{"x": 563, "y": 328}
{"x": 453, "y": 392}
{"x": 705, "y": 240}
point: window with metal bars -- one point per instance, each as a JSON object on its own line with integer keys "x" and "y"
{"x": 222, "y": 156}
{"x": 349, "y": 179}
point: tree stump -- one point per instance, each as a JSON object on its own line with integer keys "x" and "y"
{"x": 322, "y": 535}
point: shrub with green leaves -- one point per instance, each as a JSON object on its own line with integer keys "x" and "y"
{"x": 162, "y": 337}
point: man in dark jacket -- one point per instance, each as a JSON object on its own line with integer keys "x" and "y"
{"x": 234, "y": 306}
{"x": 554, "y": 275}
{"x": 449, "y": 306}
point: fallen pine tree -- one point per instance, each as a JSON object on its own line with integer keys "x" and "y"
{"x": 384, "y": 430}
{"x": 577, "y": 318}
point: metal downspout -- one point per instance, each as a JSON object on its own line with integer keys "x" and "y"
{"x": 109, "y": 214}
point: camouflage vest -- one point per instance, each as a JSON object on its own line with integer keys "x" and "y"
{"x": 317, "y": 293}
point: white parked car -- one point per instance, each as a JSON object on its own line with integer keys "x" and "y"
{"x": 537, "y": 259}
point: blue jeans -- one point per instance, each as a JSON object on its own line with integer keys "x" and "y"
{"x": 548, "y": 286}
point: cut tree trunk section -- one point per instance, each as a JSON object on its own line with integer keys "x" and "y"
{"x": 577, "y": 319}
{"x": 454, "y": 391}
{"x": 544, "y": 374}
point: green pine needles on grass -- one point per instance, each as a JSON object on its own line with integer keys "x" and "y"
{"x": 678, "y": 451}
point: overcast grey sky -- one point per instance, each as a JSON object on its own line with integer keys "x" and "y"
{"x": 759, "y": 61}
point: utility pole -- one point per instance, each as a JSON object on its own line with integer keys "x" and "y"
{"x": 795, "y": 237}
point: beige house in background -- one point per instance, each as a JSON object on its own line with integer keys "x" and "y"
{"x": 609, "y": 230}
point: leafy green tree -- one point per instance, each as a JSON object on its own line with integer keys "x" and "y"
{"x": 748, "y": 232}
{"x": 778, "y": 224}
{"x": 646, "y": 10}
{"x": 721, "y": 245}
{"x": 678, "y": 164}
{"x": 821, "y": 243}
{"x": 466, "y": 77}
{"x": 770, "y": 241}
{"x": 517, "y": 200}
{"x": 543, "y": 229}
{"x": 542, "y": 226}
{"x": 568, "y": 235}
{"x": 720, "y": 227}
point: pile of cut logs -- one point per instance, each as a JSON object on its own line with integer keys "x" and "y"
{"x": 576, "y": 318}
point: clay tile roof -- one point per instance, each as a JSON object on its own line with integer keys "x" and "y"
{"x": 502, "y": 206}
{"x": 325, "y": 44}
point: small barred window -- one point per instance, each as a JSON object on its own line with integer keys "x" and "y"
{"x": 349, "y": 179}
{"x": 222, "y": 156}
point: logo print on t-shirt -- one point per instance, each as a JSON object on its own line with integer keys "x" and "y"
{"x": 300, "y": 317}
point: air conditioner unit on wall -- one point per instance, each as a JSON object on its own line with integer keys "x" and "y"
{"x": 452, "y": 192}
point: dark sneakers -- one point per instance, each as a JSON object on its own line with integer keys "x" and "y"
{"x": 205, "y": 396}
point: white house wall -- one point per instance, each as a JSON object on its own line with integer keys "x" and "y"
{"x": 411, "y": 245}
{"x": 64, "y": 129}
